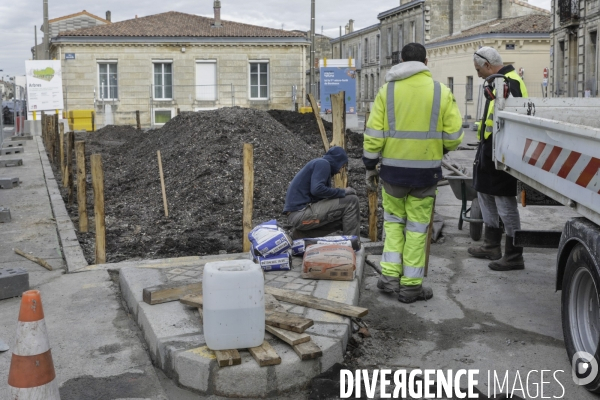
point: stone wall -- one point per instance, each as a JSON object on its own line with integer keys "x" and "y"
{"x": 135, "y": 77}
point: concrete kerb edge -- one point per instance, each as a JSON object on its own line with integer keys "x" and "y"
{"x": 185, "y": 358}
{"x": 74, "y": 258}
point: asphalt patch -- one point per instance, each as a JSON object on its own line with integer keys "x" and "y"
{"x": 113, "y": 387}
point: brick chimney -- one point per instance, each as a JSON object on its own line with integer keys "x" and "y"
{"x": 108, "y": 16}
{"x": 217, "y": 8}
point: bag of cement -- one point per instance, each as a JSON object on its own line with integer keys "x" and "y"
{"x": 329, "y": 261}
{"x": 269, "y": 239}
{"x": 298, "y": 247}
{"x": 279, "y": 262}
{"x": 351, "y": 241}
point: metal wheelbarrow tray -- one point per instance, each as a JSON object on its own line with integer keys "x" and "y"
{"x": 462, "y": 187}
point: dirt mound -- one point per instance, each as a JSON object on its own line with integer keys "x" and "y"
{"x": 202, "y": 162}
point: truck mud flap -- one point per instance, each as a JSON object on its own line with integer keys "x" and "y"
{"x": 539, "y": 239}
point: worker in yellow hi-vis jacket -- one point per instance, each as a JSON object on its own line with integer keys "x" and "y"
{"x": 413, "y": 122}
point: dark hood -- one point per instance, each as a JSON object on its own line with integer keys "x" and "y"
{"x": 337, "y": 158}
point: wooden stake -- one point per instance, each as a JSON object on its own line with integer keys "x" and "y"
{"x": 137, "y": 119}
{"x": 315, "y": 109}
{"x": 338, "y": 108}
{"x": 93, "y": 121}
{"x": 36, "y": 260}
{"x": 81, "y": 189}
{"x": 61, "y": 148}
{"x": 248, "y": 194}
{"x": 373, "y": 200}
{"x": 55, "y": 139}
{"x": 162, "y": 183}
{"x": 98, "y": 186}
{"x": 70, "y": 146}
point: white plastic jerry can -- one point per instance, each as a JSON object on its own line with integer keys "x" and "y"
{"x": 234, "y": 305}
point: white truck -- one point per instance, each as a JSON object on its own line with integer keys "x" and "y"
{"x": 553, "y": 146}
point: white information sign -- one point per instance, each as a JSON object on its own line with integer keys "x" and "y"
{"x": 44, "y": 85}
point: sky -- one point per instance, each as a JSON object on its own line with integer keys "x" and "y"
{"x": 18, "y": 18}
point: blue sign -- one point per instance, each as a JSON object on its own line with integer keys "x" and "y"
{"x": 335, "y": 80}
{"x": 69, "y": 56}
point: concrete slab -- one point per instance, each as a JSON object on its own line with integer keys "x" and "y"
{"x": 11, "y": 163}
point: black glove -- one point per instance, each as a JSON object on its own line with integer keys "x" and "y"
{"x": 372, "y": 179}
{"x": 350, "y": 191}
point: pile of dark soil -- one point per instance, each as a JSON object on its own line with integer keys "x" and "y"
{"x": 202, "y": 163}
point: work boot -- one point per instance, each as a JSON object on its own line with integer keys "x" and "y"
{"x": 388, "y": 284}
{"x": 513, "y": 258}
{"x": 410, "y": 294}
{"x": 492, "y": 245}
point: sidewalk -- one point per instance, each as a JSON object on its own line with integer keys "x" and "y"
{"x": 95, "y": 344}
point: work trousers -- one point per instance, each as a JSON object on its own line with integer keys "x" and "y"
{"x": 504, "y": 207}
{"x": 327, "y": 216}
{"x": 407, "y": 214}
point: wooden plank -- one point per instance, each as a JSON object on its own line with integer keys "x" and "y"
{"x": 265, "y": 355}
{"x": 272, "y": 304}
{"x": 307, "y": 350}
{"x": 248, "y": 205}
{"x": 170, "y": 292}
{"x": 283, "y": 320}
{"x": 317, "y": 303}
{"x": 98, "y": 186}
{"x": 338, "y": 118}
{"x": 315, "y": 109}
{"x": 291, "y": 322}
{"x": 226, "y": 358}
{"x": 291, "y": 338}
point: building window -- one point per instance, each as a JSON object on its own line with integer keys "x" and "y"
{"x": 163, "y": 80}
{"x": 591, "y": 75}
{"x": 366, "y": 87}
{"x": 469, "y": 93}
{"x": 451, "y": 84}
{"x": 413, "y": 32}
{"x": 389, "y": 43}
{"x": 162, "y": 116}
{"x": 366, "y": 50}
{"x": 559, "y": 76}
{"x": 107, "y": 80}
{"x": 206, "y": 80}
{"x": 377, "y": 45}
{"x": 400, "y": 38}
{"x": 259, "y": 80}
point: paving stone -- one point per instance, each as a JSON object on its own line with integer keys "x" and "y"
{"x": 293, "y": 373}
{"x": 9, "y": 183}
{"x": 334, "y": 331}
{"x": 11, "y": 163}
{"x": 193, "y": 367}
{"x": 244, "y": 380}
{"x": 173, "y": 345}
{"x": 332, "y": 351}
{"x": 292, "y": 286}
{"x": 4, "y": 214}
{"x": 13, "y": 282}
{"x": 133, "y": 281}
{"x": 11, "y": 151}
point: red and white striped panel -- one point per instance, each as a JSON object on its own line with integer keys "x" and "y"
{"x": 578, "y": 168}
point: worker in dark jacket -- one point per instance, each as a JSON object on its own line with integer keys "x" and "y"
{"x": 496, "y": 189}
{"x": 316, "y": 209}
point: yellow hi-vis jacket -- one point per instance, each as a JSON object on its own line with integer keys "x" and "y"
{"x": 488, "y": 129}
{"x": 414, "y": 120}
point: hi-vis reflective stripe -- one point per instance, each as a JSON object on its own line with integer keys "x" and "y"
{"x": 391, "y": 257}
{"x": 452, "y": 136}
{"x": 413, "y": 272}
{"x": 368, "y": 154}
{"x": 412, "y": 163}
{"x": 435, "y": 115}
{"x": 392, "y": 218}
{"x": 581, "y": 169}
{"x": 374, "y": 133}
{"x": 417, "y": 227}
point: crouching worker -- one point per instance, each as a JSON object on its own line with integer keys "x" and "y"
{"x": 316, "y": 209}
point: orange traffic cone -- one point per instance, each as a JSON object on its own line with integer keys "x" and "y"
{"x": 32, "y": 373}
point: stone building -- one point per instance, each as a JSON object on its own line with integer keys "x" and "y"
{"x": 70, "y": 22}
{"x": 574, "y": 51}
{"x": 170, "y": 62}
{"x": 423, "y": 21}
{"x": 523, "y": 42}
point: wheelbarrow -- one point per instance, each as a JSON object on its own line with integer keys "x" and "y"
{"x": 462, "y": 187}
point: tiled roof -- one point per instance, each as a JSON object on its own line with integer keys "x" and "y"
{"x": 176, "y": 24}
{"x": 534, "y": 23}
{"x": 77, "y": 15}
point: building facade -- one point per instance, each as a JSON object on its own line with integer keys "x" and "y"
{"x": 523, "y": 42}
{"x": 165, "y": 63}
{"x": 574, "y": 52}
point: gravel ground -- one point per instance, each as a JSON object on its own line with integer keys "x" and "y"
{"x": 202, "y": 162}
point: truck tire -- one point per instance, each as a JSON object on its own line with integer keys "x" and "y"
{"x": 475, "y": 228}
{"x": 580, "y": 307}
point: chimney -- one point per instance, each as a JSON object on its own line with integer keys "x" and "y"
{"x": 346, "y": 30}
{"x": 217, "y": 8}
{"x": 108, "y": 16}
{"x": 351, "y": 26}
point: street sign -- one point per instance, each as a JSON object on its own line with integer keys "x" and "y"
{"x": 546, "y": 72}
{"x": 69, "y": 56}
